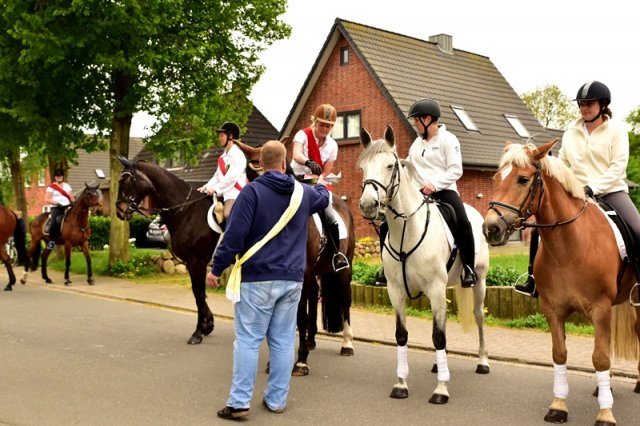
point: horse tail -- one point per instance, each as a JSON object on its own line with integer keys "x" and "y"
{"x": 624, "y": 341}
{"x": 35, "y": 257}
{"x": 464, "y": 299}
{"x": 333, "y": 297}
{"x": 20, "y": 241}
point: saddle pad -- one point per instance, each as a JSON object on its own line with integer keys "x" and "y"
{"x": 342, "y": 228}
{"x": 622, "y": 249}
{"x": 477, "y": 234}
{"x": 212, "y": 223}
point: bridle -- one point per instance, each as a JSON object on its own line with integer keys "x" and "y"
{"x": 390, "y": 190}
{"x": 535, "y": 190}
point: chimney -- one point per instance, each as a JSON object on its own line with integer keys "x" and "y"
{"x": 444, "y": 42}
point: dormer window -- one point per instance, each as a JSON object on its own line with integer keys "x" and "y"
{"x": 517, "y": 126}
{"x": 464, "y": 118}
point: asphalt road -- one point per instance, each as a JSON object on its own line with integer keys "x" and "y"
{"x": 69, "y": 359}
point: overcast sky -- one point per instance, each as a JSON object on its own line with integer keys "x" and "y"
{"x": 532, "y": 43}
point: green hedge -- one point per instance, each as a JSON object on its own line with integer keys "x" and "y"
{"x": 100, "y": 226}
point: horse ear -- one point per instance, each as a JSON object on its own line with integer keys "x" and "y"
{"x": 365, "y": 137}
{"x": 86, "y": 185}
{"x": 390, "y": 136}
{"x": 285, "y": 140}
{"x": 543, "y": 150}
{"x": 507, "y": 144}
{"x": 125, "y": 162}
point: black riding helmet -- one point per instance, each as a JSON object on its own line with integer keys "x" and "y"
{"x": 231, "y": 129}
{"x": 58, "y": 172}
{"x": 422, "y": 107}
{"x": 594, "y": 91}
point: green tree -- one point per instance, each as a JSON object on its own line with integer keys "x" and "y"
{"x": 551, "y": 107}
{"x": 192, "y": 63}
{"x": 633, "y": 168}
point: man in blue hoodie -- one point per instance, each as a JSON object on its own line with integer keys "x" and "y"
{"x": 271, "y": 279}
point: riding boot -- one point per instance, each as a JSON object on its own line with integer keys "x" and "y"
{"x": 529, "y": 287}
{"x": 470, "y": 278}
{"x": 339, "y": 261}
{"x": 467, "y": 254}
{"x": 51, "y": 245}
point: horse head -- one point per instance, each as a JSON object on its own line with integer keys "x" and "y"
{"x": 91, "y": 197}
{"x": 380, "y": 172}
{"x": 252, "y": 154}
{"x": 519, "y": 185}
{"x": 133, "y": 187}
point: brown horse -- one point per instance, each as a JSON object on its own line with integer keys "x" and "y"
{"x": 11, "y": 225}
{"x": 335, "y": 287}
{"x": 578, "y": 267}
{"x": 75, "y": 232}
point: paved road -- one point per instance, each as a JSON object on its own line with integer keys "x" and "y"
{"x": 70, "y": 359}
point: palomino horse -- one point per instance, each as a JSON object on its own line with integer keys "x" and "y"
{"x": 184, "y": 211}
{"x": 415, "y": 255}
{"x": 334, "y": 286}
{"x": 75, "y": 232}
{"x": 577, "y": 268}
{"x": 10, "y": 225}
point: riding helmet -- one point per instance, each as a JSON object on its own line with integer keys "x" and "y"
{"x": 231, "y": 129}
{"x": 58, "y": 172}
{"x": 423, "y": 107}
{"x": 326, "y": 113}
{"x": 593, "y": 91}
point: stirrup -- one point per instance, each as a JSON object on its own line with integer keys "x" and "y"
{"x": 637, "y": 302}
{"x": 337, "y": 259}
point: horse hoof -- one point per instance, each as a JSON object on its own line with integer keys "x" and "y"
{"x": 195, "y": 340}
{"x": 482, "y": 369}
{"x": 8, "y": 288}
{"x": 434, "y": 369}
{"x": 439, "y": 399}
{"x": 637, "y": 388}
{"x": 346, "y": 351}
{"x": 67, "y": 282}
{"x": 399, "y": 393}
{"x": 91, "y": 281}
{"x": 311, "y": 344}
{"x": 603, "y": 423}
{"x": 23, "y": 281}
{"x": 300, "y": 370}
{"x": 48, "y": 281}
{"x": 208, "y": 326}
{"x": 556, "y": 416}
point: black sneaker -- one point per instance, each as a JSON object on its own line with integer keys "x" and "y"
{"x": 230, "y": 413}
{"x": 381, "y": 280}
{"x": 528, "y": 288}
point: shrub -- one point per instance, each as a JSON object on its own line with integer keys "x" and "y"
{"x": 365, "y": 273}
{"x": 503, "y": 276}
{"x": 100, "y": 226}
{"x": 139, "y": 265}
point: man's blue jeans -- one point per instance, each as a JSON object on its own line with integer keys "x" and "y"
{"x": 266, "y": 309}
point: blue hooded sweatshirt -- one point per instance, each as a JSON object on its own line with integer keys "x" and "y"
{"x": 256, "y": 210}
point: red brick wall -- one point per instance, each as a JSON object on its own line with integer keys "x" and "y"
{"x": 34, "y": 194}
{"x": 351, "y": 88}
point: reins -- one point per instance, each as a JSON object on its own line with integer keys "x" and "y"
{"x": 535, "y": 190}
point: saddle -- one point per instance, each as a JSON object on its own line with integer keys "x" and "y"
{"x": 331, "y": 243}
{"x": 46, "y": 229}
{"x": 449, "y": 216}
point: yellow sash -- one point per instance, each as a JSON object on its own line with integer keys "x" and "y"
{"x": 233, "y": 284}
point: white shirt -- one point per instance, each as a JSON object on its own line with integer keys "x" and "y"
{"x": 57, "y": 197}
{"x": 225, "y": 184}
{"x": 328, "y": 151}
{"x": 438, "y": 160}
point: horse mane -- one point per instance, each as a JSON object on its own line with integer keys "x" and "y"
{"x": 520, "y": 156}
{"x": 159, "y": 171}
{"x": 374, "y": 148}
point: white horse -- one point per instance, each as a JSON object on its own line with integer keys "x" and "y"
{"x": 415, "y": 255}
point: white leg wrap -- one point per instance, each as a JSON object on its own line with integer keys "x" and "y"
{"x": 560, "y": 383}
{"x": 605, "y": 397}
{"x": 403, "y": 365}
{"x": 443, "y": 366}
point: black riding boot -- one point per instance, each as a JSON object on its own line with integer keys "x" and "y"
{"x": 467, "y": 254}
{"x": 470, "y": 278}
{"x": 529, "y": 288}
{"x": 339, "y": 261}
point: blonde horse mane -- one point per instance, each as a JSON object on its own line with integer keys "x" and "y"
{"x": 520, "y": 156}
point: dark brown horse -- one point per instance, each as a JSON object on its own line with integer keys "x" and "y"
{"x": 578, "y": 266}
{"x": 335, "y": 287}
{"x": 184, "y": 211}
{"x": 75, "y": 232}
{"x": 11, "y": 225}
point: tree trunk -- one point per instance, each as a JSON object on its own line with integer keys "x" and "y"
{"x": 17, "y": 182}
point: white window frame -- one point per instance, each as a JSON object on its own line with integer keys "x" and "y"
{"x": 464, "y": 118}
{"x": 517, "y": 125}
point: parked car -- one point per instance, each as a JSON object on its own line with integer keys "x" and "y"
{"x": 157, "y": 233}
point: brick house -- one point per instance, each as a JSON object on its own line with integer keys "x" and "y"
{"x": 373, "y": 76}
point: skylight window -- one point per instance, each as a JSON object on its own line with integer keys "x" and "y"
{"x": 517, "y": 126}
{"x": 464, "y": 118}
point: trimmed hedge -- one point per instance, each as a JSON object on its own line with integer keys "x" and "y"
{"x": 100, "y": 226}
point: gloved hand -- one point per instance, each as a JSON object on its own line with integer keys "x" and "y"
{"x": 315, "y": 167}
{"x": 588, "y": 191}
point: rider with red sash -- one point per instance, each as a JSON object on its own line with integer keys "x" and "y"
{"x": 58, "y": 195}
{"x": 314, "y": 153}
{"x": 230, "y": 176}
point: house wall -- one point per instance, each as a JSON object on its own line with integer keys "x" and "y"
{"x": 351, "y": 88}
{"x": 34, "y": 194}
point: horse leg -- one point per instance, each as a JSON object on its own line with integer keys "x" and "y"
{"x": 439, "y": 337}
{"x": 347, "y": 332}
{"x": 205, "y": 324}
{"x": 301, "y": 368}
{"x": 312, "y": 329}
{"x": 400, "y": 389}
{"x": 637, "y": 328}
{"x": 45, "y": 256}
{"x": 87, "y": 257}
{"x": 601, "y": 317}
{"x": 7, "y": 263}
{"x": 67, "y": 263}
{"x": 478, "y": 312}
{"x": 558, "y": 411}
